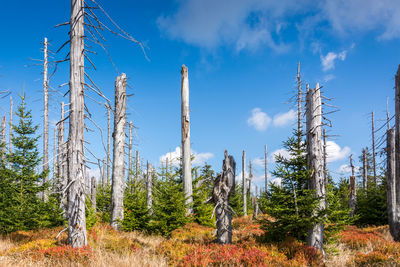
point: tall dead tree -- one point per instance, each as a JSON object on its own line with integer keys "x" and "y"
{"x": 185, "y": 129}
{"x": 373, "y": 147}
{"x": 244, "y": 183}
{"x": 256, "y": 208}
{"x": 149, "y": 187}
{"x": 3, "y": 139}
{"x": 118, "y": 170}
{"x": 108, "y": 142}
{"x": 325, "y": 155}
{"x": 365, "y": 169}
{"x": 392, "y": 189}
{"x": 104, "y": 174}
{"x": 130, "y": 153}
{"x": 93, "y": 192}
{"x": 45, "y": 116}
{"x": 314, "y": 160}
{"x": 224, "y": 186}
{"x": 75, "y": 156}
{"x": 299, "y": 95}
{"x": 266, "y": 168}
{"x": 137, "y": 165}
{"x": 353, "y": 192}
{"x": 397, "y": 141}
{"x": 250, "y": 177}
{"x": 10, "y": 133}
{"x": 61, "y": 149}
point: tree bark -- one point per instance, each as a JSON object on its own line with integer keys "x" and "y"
{"x": 373, "y": 147}
{"x": 365, "y": 169}
{"x": 45, "y": 117}
{"x": 392, "y": 207}
{"x": 299, "y": 94}
{"x": 353, "y": 192}
{"x": 130, "y": 153}
{"x": 76, "y": 178}
{"x": 244, "y": 182}
{"x": 137, "y": 163}
{"x": 10, "y": 134}
{"x": 93, "y": 192}
{"x": 185, "y": 128}
{"x": 224, "y": 186}
{"x": 108, "y": 142}
{"x": 118, "y": 171}
{"x": 149, "y": 186}
{"x": 397, "y": 133}
{"x": 315, "y": 164}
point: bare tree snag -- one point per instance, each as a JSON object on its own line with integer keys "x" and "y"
{"x": 108, "y": 142}
{"x": 45, "y": 117}
{"x": 3, "y": 138}
{"x": 104, "y": 178}
{"x": 137, "y": 163}
{"x": 314, "y": 158}
{"x": 118, "y": 170}
{"x": 93, "y": 193}
{"x": 10, "y": 134}
{"x": 266, "y": 168}
{"x": 77, "y": 236}
{"x": 61, "y": 168}
{"x": 392, "y": 206}
{"x": 397, "y": 138}
{"x": 130, "y": 153}
{"x": 224, "y": 186}
{"x": 250, "y": 177}
{"x": 325, "y": 158}
{"x": 373, "y": 148}
{"x": 353, "y": 192}
{"x": 244, "y": 183}
{"x": 185, "y": 128}
{"x": 299, "y": 94}
{"x": 256, "y": 208}
{"x": 365, "y": 169}
{"x": 149, "y": 187}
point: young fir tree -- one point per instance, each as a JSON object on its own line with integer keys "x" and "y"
{"x": 136, "y": 214}
{"x": 290, "y": 204}
{"x": 103, "y": 202}
{"x": 169, "y": 209}
{"x": 202, "y": 191}
{"x": 26, "y": 209}
{"x": 236, "y": 201}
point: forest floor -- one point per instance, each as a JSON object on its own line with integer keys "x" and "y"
{"x": 193, "y": 245}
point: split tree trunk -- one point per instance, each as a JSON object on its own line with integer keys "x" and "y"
{"x": 224, "y": 186}
{"x": 45, "y": 117}
{"x": 244, "y": 182}
{"x": 77, "y": 236}
{"x": 315, "y": 164}
{"x": 118, "y": 171}
{"x": 185, "y": 128}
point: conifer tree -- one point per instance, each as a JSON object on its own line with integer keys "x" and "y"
{"x": 202, "y": 191}
{"x": 103, "y": 201}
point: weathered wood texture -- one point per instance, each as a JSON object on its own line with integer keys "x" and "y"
{"x": 118, "y": 170}
{"x": 108, "y": 142}
{"x": 397, "y": 134}
{"x": 185, "y": 129}
{"x": 353, "y": 189}
{"x": 10, "y": 131}
{"x": 299, "y": 104}
{"x": 373, "y": 146}
{"x": 392, "y": 206}
{"x": 364, "y": 169}
{"x": 224, "y": 186}
{"x": 266, "y": 168}
{"x": 137, "y": 165}
{"x": 45, "y": 116}
{"x": 93, "y": 193}
{"x": 314, "y": 160}
{"x": 77, "y": 236}
{"x": 244, "y": 183}
{"x": 130, "y": 153}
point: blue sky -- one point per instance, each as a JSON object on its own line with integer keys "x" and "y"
{"x": 242, "y": 58}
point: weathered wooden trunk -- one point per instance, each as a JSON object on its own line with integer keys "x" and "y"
{"x": 315, "y": 161}
{"x": 149, "y": 187}
{"x": 93, "y": 193}
{"x": 244, "y": 183}
{"x": 130, "y": 153}
{"x": 392, "y": 208}
{"x": 224, "y": 186}
{"x": 365, "y": 169}
{"x": 353, "y": 195}
{"x": 185, "y": 129}
{"x": 137, "y": 165}
{"x": 45, "y": 117}
{"x": 118, "y": 170}
{"x": 108, "y": 142}
{"x": 76, "y": 179}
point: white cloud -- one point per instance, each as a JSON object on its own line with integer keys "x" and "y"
{"x": 259, "y": 120}
{"x": 283, "y": 119}
{"x": 283, "y": 152}
{"x": 335, "y": 152}
{"x": 277, "y": 181}
{"x": 328, "y": 61}
{"x": 93, "y": 173}
{"x": 174, "y": 157}
{"x": 329, "y": 77}
{"x": 345, "y": 169}
{"x": 260, "y": 162}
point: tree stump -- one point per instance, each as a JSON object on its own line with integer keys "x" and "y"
{"x": 224, "y": 186}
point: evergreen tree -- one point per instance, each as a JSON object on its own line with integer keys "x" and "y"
{"x": 202, "y": 191}
{"x": 169, "y": 210}
{"x": 103, "y": 202}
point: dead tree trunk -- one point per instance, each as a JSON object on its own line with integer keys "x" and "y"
{"x": 137, "y": 165}
{"x": 244, "y": 183}
{"x": 130, "y": 153}
{"x": 108, "y": 142}
{"x": 118, "y": 170}
{"x": 256, "y": 208}
{"x": 250, "y": 178}
{"x": 325, "y": 158}
{"x": 392, "y": 207}
{"x": 61, "y": 149}
{"x": 76, "y": 178}
{"x": 10, "y": 134}
{"x": 373, "y": 147}
{"x": 45, "y": 117}
{"x": 55, "y": 159}
{"x": 104, "y": 174}
{"x": 353, "y": 192}
{"x": 397, "y": 141}
{"x": 149, "y": 186}
{"x": 224, "y": 186}
{"x": 314, "y": 158}
{"x": 3, "y": 139}
{"x": 299, "y": 94}
{"x": 93, "y": 192}
{"x": 265, "y": 168}
{"x": 365, "y": 169}
{"x": 185, "y": 128}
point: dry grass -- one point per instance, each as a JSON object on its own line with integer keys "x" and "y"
{"x": 192, "y": 246}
